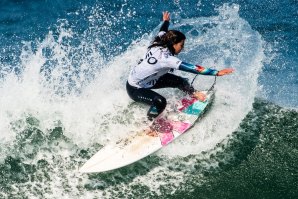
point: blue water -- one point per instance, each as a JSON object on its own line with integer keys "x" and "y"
{"x": 63, "y": 67}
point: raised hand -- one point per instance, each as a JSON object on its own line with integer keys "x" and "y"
{"x": 166, "y": 16}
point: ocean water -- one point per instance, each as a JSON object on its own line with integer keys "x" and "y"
{"x": 63, "y": 68}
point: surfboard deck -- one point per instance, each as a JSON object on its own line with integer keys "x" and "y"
{"x": 137, "y": 145}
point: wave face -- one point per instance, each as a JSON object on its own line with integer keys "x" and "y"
{"x": 62, "y": 85}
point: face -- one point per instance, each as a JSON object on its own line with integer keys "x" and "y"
{"x": 178, "y": 47}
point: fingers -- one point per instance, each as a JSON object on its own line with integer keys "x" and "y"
{"x": 166, "y": 16}
{"x": 225, "y": 71}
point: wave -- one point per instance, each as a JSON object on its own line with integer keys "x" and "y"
{"x": 72, "y": 100}
{"x": 41, "y": 163}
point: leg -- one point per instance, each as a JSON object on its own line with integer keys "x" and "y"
{"x": 174, "y": 81}
{"x": 156, "y": 101}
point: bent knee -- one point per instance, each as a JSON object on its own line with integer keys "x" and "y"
{"x": 160, "y": 102}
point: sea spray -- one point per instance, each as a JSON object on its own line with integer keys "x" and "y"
{"x": 223, "y": 41}
{"x": 78, "y": 103}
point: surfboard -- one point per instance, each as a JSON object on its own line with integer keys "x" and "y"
{"x": 169, "y": 126}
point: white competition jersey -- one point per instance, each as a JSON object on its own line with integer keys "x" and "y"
{"x": 157, "y": 62}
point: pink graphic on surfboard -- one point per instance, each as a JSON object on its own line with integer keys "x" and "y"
{"x": 187, "y": 103}
{"x": 166, "y": 128}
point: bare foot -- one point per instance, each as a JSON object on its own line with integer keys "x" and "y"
{"x": 200, "y": 96}
{"x": 151, "y": 132}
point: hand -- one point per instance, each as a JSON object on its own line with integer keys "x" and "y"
{"x": 166, "y": 16}
{"x": 199, "y": 95}
{"x": 225, "y": 71}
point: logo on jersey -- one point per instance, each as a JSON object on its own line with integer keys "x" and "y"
{"x": 150, "y": 59}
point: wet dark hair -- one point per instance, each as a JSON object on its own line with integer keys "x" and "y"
{"x": 168, "y": 40}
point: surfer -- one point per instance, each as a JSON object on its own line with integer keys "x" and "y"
{"x": 154, "y": 71}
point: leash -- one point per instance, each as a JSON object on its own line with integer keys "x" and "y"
{"x": 212, "y": 86}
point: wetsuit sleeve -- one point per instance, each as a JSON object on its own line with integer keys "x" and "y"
{"x": 196, "y": 69}
{"x": 163, "y": 29}
{"x": 165, "y": 26}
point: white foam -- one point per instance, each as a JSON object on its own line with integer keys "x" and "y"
{"x": 88, "y": 101}
{"x": 230, "y": 42}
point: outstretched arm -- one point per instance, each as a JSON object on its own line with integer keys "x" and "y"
{"x": 196, "y": 69}
{"x": 163, "y": 29}
{"x": 166, "y": 21}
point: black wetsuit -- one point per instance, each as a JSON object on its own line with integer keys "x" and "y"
{"x": 152, "y": 98}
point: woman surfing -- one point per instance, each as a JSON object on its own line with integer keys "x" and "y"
{"x": 154, "y": 70}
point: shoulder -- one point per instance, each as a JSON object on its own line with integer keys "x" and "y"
{"x": 170, "y": 60}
